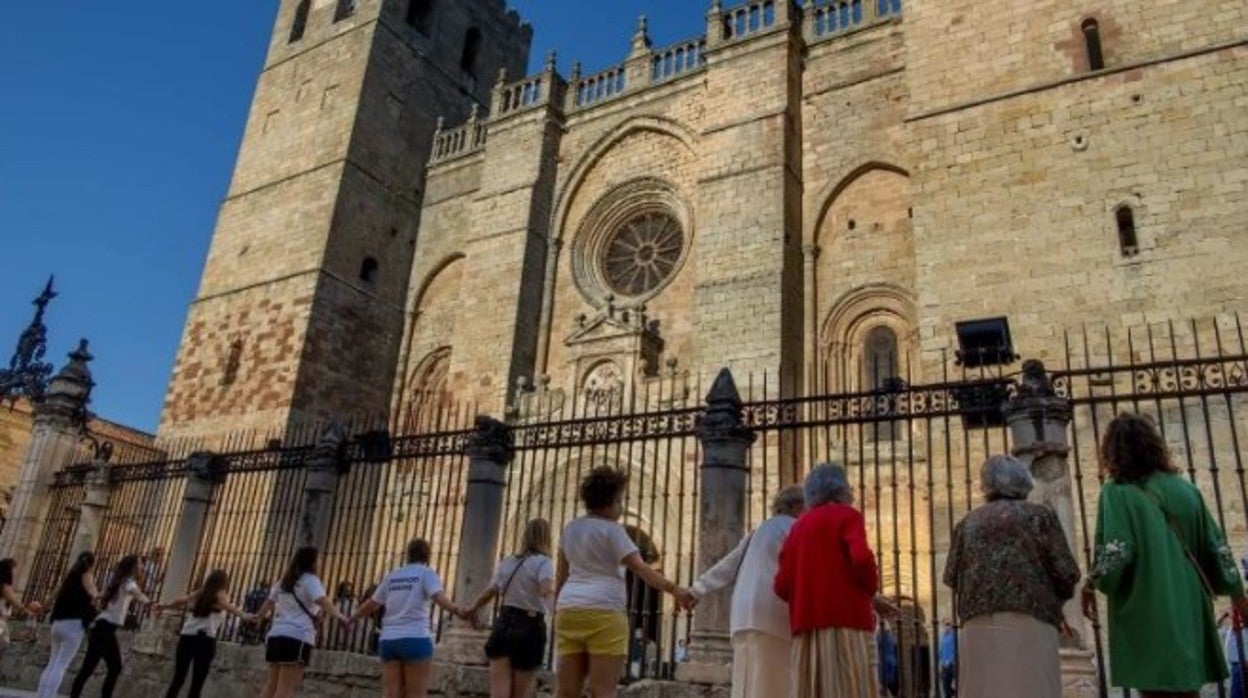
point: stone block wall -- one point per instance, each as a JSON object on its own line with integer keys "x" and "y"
{"x": 241, "y": 671}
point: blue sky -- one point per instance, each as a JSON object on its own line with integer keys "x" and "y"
{"x": 118, "y": 133}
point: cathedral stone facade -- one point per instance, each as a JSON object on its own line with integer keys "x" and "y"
{"x": 834, "y": 192}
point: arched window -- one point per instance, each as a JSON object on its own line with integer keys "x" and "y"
{"x": 369, "y": 269}
{"x": 1092, "y": 43}
{"x": 301, "y": 21}
{"x": 879, "y": 367}
{"x": 1128, "y": 241}
{"x": 472, "y": 46}
{"x": 233, "y": 361}
{"x": 345, "y": 9}
{"x": 419, "y": 14}
{"x": 879, "y": 359}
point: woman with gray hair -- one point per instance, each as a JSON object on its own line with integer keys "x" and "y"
{"x": 1011, "y": 570}
{"x": 759, "y": 619}
{"x": 829, "y": 578}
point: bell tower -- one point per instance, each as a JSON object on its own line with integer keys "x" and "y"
{"x": 299, "y": 313}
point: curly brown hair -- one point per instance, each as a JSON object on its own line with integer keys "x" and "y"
{"x": 1133, "y": 448}
{"x": 602, "y": 487}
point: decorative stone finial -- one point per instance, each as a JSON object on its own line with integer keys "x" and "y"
{"x": 552, "y": 58}
{"x": 641, "y": 39}
{"x": 330, "y": 452}
{"x": 1035, "y": 381}
{"x": 475, "y": 113}
{"x": 491, "y": 440}
{"x": 502, "y": 77}
{"x": 576, "y": 72}
{"x": 724, "y": 416}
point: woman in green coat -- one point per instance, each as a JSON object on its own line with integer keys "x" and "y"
{"x": 1153, "y": 532}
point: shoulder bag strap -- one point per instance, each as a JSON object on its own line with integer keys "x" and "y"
{"x": 1174, "y": 528}
{"x": 502, "y": 593}
{"x": 740, "y": 563}
{"x": 295, "y": 594}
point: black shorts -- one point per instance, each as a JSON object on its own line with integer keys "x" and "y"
{"x": 519, "y": 636}
{"x": 287, "y": 650}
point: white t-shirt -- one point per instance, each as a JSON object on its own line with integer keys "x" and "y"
{"x": 595, "y": 548}
{"x": 289, "y": 620}
{"x": 406, "y": 593}
{"x": 525, "y": 590}
{"x": 209, "y": 625}
{"x": 117, "y": 609}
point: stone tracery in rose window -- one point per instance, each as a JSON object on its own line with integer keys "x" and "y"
{"x": 642, "y": 253}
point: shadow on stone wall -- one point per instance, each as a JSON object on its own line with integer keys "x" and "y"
{"x": 240, "y": 671}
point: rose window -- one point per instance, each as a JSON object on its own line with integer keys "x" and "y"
{"x": 641, "y": 254}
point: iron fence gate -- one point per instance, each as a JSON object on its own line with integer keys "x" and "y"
{"x": 913, "y": 450}
{"x": 1192, "y": 379}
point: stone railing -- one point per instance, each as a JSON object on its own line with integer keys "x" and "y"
{"x": 598, "y": 87}
{"x": 750, "y": 18}
{"x": 544, "y": 88}
{"x": 678, "y": 59}
{"x": 822, "y": 19}
{"x": 459, "y": 141}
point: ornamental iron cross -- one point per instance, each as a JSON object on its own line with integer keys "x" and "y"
{"x": 28, "y": 374}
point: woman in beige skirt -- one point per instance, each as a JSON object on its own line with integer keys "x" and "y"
{"x": 829, "y": 578}
{"x": 1011, "y": 570}
{"x": 759, "y": 620}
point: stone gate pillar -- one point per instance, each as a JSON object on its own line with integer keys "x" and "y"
{"x": 205, "y": 472}
{"x": 99, "y": 489}
{"x": 722, "y": 508}
{"x": 490, "y": 450}
{"x": 1039, "y": 421}
{"x": 59, "y": 422}
{"x": 321, "y": 484}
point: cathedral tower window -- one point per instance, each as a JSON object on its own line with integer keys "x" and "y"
{"x": 1092, "y": 43}
{"x": 472, "y": 47}
{"x": 301, "y": 21}
{"x": 369, "y": 270}
{"x": 233, "y": 361}
{"x": 1128, "y": 241}
{"x": 419, "y": 14}
{"x": 345, "y": 9}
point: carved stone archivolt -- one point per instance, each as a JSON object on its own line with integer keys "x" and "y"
{"x": 631, "y": 243}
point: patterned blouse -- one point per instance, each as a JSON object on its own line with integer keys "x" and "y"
{"x": 1011, "y": 556}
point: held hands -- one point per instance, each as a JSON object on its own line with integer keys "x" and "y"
{"x": 1241, "y": 606}
{"x": 686, "y": 600}
{"x": 885, "y": 608}
{"x": 1087, "y": 601}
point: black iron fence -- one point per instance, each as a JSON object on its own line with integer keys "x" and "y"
{"x": 913, "y": 448}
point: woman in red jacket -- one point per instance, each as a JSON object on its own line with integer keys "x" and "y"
{"x": 829, "y": 578}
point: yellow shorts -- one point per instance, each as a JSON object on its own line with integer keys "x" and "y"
{"x": 588, "y": 631}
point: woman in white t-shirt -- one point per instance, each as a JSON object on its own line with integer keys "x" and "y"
{"x": 524, "y": 583}
{"x": 197, "y": 642}
{"x": 122, "y": 590}
{"x": 406, "y": 643}
{"x": 297, "y": 603}
{"x": 591, "y": 621}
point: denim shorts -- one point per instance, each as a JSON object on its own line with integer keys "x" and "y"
{"x": 407, "y": 649}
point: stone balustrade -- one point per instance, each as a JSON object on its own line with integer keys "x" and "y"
{"x": 461, "y": 140}
{"x": 823, "y": 19}
{"x": 678, "y": 59}
{"x": 599, "y": 87}
{"x": 519, "y": 96}
{"x": 750, "y": 18}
